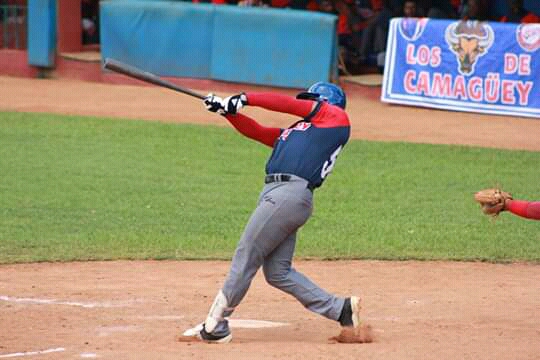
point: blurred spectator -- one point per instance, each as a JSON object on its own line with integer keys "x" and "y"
{"x": 326, "y": 6}
{"x": 438, "y": 9}
{"x": 217, "y": 2}
{"x": 348, "y": 19}
{"x": 498, "y": 9}
{"x": 375, "y": 35}
{"x": 292, "y": 4}
{"x": 259, "y": 3}
{"x": 531, "y": 18}
{"x": 518, "y": 14}
{"x": 298, "y": 4}
{"x": 367, "y": 12}
{"x": 475, "y": 10}
{"x": 279, "y": 3}
{"x": 312, "y": 5}
{"x": 409, "y": 9}
{"x": 90, "y": 21}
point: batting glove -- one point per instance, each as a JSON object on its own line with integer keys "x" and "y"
{"x": 234, "y": 103}
{"x": 214, "y": 103}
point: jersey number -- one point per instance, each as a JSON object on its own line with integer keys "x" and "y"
{"x": 328, "y": 165}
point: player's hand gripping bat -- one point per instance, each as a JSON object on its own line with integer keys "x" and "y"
{"x": 131, "y": 71}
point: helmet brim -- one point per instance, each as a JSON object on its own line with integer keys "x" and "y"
{"x": 307, "y": 96}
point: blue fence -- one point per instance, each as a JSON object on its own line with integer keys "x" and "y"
{"x": 278, "y": 47}
{"x": 464, "y": 65}
{"x": 160, "y": 37}
{"x": 41, "y": 32}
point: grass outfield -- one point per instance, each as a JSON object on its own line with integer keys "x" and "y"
{"x": 76, "y": 188}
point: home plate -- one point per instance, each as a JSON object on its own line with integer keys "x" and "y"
{"x": 239, "y": 323}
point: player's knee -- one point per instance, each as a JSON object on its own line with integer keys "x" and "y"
{"x": 276, "y": 277}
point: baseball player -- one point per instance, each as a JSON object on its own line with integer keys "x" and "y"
{"x": 302, "y": 157}
{"x": 494, "y": 201}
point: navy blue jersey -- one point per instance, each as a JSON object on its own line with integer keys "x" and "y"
{"x": 309, "y": 148}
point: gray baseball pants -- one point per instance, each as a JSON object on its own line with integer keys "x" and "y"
{"x": 269, "y": 240}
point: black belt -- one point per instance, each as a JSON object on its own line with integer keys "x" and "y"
{"x": 282, "y": 178}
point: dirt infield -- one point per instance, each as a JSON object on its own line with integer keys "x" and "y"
{"x": 135, "y": 310}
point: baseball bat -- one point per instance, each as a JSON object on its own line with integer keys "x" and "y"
{"x": 132, "y": 71}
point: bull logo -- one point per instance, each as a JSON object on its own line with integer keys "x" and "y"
{"x": 469, "y": 40}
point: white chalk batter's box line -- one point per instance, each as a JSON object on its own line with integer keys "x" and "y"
{"x": 84, "y": 355}
{"x": 31, "y": 353}
{"x": 37, "y": 301}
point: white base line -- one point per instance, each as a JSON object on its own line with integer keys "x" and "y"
{"x": 30, "y": 353}
{"x": 32, "y": 301}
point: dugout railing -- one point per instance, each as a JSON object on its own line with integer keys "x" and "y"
{"x": 13, "y": 25}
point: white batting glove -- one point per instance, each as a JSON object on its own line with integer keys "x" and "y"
{"x": 214, "y": 104}
{"x": 234, "y": 103}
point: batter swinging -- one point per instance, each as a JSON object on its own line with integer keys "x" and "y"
{"x": 303, "y": 155}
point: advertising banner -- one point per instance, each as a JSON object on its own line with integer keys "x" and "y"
{"x": 464, "y": 65}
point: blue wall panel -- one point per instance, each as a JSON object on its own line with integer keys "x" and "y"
{"x": 41, "y": 32}
{"x": 278, "y": 47}
{"x": 158, "y": 36}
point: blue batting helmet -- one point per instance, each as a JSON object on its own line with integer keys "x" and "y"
{"x": 326, "y": 92}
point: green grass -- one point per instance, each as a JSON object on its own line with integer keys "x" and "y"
{"x": 74, "y": 188}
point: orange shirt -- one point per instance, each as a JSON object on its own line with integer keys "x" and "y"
{"x": 279, "y": 3}
{"x": 312, "y": 5}
{"x": 343, "y": 25}
{"x": 376, "y": 5}
{"x": 530, "y": 18}
{"x": 455, "y": 3}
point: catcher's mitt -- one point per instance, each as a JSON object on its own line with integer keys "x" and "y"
{"x": 492, "y": 201}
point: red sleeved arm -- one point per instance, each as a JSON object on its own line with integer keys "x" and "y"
{"x": 526, "y": 209}
{"x": 281, "y": 103}
{"x": 253, "y": 130}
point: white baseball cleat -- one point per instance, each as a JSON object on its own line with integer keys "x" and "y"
{"x": 199, "y": 333}
{"x": 356, "y": 307}
{"x": 194, "y": 331}
{"x": 350, "y": 314}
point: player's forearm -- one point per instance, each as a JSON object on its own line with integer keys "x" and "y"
{"x": 281, "y": 103}
{"x": 526, "y": 209}
{"x": 253, "y": 130}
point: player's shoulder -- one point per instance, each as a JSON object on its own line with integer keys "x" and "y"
{"x": 330, "y": 116}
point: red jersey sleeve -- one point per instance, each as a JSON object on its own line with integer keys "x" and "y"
{"x": 253, "y": 130}
{"x": 526, "y": 209}
{"x": 281, "y": 103}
